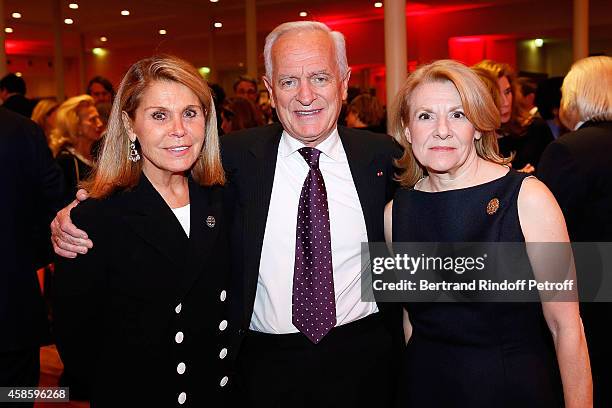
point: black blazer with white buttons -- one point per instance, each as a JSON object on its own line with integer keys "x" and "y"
{"x": 249, "y": 158}
{"x": 145, "y": 299}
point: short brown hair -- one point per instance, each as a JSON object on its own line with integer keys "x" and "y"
{"x": 368, "y": 109}
{"x": 477, "y": 103}
{"x": 113, "y": 169}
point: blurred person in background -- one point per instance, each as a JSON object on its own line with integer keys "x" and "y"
{"x": 12, "y": 94}
{"x": 520, "y": 133}
{"x": 77, "y": 127}
{"x": 525, "y": 96}
{"x": 548, "y": 100}
{"x": 32, "y": 191}
{"x": 577, "y": 168}
{"x": 246, "y": 87}
{"x": 265, "y": 107}
{"x": 101, "y": 90}
{"x": 490, "y": 82}
{"x": 44, "y": 115}
{"x": 103, "y": 93}
{"x": 365, "y": 112}
{"x": 239, "y": 113}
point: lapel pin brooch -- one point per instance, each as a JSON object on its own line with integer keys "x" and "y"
{"x": 210, "y": 221}
{"x": 379, "y": 174}
{"x": 493, "y": 206}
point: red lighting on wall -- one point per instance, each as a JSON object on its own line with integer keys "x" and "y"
{"x": 26, "y": 47}
{"x": 473, "y": 49}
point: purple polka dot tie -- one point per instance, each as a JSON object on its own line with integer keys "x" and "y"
{"x": 314, "y": 303}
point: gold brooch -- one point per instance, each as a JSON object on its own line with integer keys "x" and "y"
{"x": 493, "y": 206}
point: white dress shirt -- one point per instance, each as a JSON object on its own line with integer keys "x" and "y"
{"x": 272, "y": 309}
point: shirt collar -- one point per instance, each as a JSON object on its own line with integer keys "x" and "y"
{"x": 330, "y": 147}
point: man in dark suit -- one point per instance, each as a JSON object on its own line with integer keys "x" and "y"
{"x": 31, "y": 194}
{"x": 301, "y": 197}
{"x": 12, "y": 93}
{"x": 577, "y": 168}
{"x": 280, "y": 362}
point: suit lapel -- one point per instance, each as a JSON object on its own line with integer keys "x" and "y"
{"x": 260, "y": 181}
{"x": 152, "y": 220}
{"x": 205, "y": 220}
{"x": 359, "y": 159}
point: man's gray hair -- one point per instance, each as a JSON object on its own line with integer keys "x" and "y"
{"x": 297, "y": 26}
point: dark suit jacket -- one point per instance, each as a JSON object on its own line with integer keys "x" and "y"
{"x": 115, "y": 307}
{"x": 577, "y": 168}
{"x": 249, "y": 157}
{"x": 20, "y": 104}
{"x": 528, "y": 146}
{"x": 32, "y": 187}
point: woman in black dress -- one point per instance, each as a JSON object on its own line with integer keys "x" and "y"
{"x": 140, "y": 320}
{"x": 477, "y": 354}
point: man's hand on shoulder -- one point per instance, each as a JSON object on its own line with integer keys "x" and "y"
{"x": 69, "y": 241}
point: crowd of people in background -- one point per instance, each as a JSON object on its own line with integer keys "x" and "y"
{"x": 557, "y": 129}
{"x": 529, "y": 107}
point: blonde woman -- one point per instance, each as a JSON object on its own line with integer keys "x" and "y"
{"x": 456, "y": 188}
{"x": 140, "y": 320}
{"x": 77, "y": 127}
{"x": 44, "y": 115}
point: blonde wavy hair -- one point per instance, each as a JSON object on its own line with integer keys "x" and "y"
{"x": 113, "y": 170}
{"x": 66, "y": 130}
{"x": 43, "y": 109}
{"x": 477, "y": 103}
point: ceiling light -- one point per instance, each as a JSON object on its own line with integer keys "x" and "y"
{"x": 8, "y": 30}
{"x": 73, "y": 6}
{"x": 303, "y": 14}
{"x": 163, "y": 32}
{"x": 18, "y": 74}
{"x": 204, "y": 70}
{"x": 538, "y": 42}
{"x": 68, "y": 21}
{"x": 16, "y": 15}
{"x": 103, "y": 39}
{"x": 99, "y": 52}
{"x": 378, "y": 4}
{"x": 218, "y": 25}
{"x": 125, "y": 12}
{"x": 214, "y": 1}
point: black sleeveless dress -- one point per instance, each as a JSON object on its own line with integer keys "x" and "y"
{"x": 473, "y": 354}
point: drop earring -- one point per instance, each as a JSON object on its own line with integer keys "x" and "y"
{"x": 133, "y": 155}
